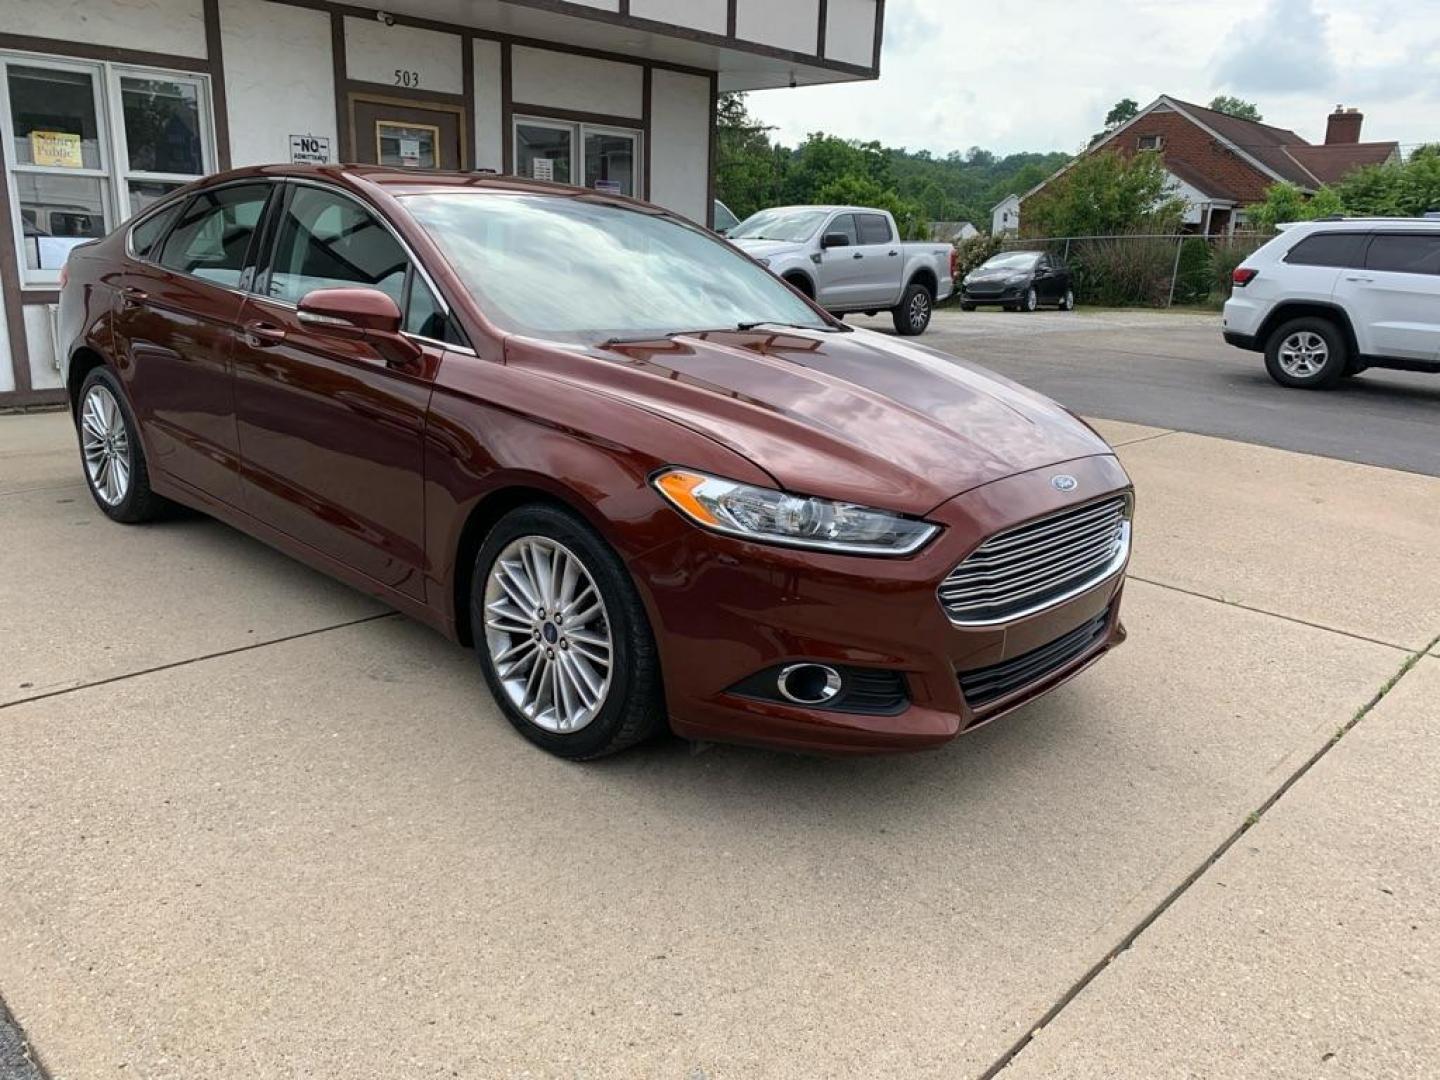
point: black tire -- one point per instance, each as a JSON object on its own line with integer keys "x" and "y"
{"x": 1067, "y": 299}
{"x": 1031, "y": 301}
{"x": 138, "y": 502}
{"x": 912, "y": 315}
{"x": 1294, "y": 359}
{"x": 634, "y": 705}
{"x": 966, "y": 307}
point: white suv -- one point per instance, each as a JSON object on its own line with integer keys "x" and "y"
{"x": 1327, "y": 299}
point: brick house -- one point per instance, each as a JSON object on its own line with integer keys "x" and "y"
{"x": 1219, "y": 163}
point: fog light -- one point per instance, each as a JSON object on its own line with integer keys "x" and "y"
{"x": 808, "y": 684}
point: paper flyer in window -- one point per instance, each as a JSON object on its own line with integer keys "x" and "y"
{"x": 60, "y": 149}
{"x": 542, "y": 168}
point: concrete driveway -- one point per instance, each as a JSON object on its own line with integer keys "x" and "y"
{"x": 258, "y": 827}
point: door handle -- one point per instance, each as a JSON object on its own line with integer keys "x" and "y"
{"x": 892, "y": 254}
{"x": 261, "y": 335}
{"x": 130, "y": 296}
{"x": 857, "y": 255}
{"x": 1365, "y": 280}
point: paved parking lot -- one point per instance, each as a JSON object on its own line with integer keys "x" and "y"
{"x": 1173, "y": 369}
{"x": 259, "y": 827}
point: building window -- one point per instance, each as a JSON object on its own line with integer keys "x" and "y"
{"x": 1151, "y": 142}
{"x": 90, "y": 144}
{"x": 604, "y": 158}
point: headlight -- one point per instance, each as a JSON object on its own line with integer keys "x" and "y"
{"x": 777, "y": 517}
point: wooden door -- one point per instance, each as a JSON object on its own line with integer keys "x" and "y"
{"x": 407, "y": 135}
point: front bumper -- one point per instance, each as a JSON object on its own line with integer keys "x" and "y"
{"x": 725, "y": 609}
{"x": 986, "y": 293}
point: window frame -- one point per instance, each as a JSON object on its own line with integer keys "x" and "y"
{"x": 263, "y": 258}
{"x": 1432, "y": 237}
{"x": 114, "y": 172}
{"x": 1157, "y": 140}
{"x": 252, "y": 252}
{"x": 1360, "y": 251}
{"x": 578, "y": 130}
{"x": 860, "y": 216}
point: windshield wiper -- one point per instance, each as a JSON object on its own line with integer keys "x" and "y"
{"x": 789, "y": 326}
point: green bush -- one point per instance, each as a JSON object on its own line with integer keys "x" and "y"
{"x": 1123, "y": 271}
{"x": 1230, "y": 253}
{"x": 973, "y": 252}
{"x": 1195, "y": 277}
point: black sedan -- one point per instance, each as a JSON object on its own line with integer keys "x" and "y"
{"x": 1019, "y": 281}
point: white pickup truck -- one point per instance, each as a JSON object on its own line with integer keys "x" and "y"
{"x": 850, "y": 258}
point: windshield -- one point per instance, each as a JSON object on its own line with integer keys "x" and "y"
{"x": 795, "y": 226}
{"x": 580, "y": 269}
{"x": 1015, "y": 259}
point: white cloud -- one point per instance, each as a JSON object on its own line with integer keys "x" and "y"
{"x": 1042, "y": 76}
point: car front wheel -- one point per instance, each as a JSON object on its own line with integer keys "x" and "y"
{"x": 912, "y": 315}
{"x": 562, "y": 636}
{"x": 1307, "y": 353}
{"x": 1031, "y": 301}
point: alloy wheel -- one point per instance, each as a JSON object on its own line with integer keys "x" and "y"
{"x": 1032, "y": 300}
{"x": 105, "y": 442}
{"x": 919, "y": 309}
{"x": 548, "y": 634}
{"x": 1303, "y": 354}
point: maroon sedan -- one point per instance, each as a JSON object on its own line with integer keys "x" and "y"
{"x": 643, "y": 477}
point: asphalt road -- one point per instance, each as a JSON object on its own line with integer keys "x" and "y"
{"x": 1174, "y": 371}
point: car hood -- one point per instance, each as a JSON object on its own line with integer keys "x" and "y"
{"x": 851, "y": 415}
{"x": 982, "y": 274}
{"x": 767, "y": 249}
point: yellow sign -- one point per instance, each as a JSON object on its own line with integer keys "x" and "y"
{"x": 59, "y": 148}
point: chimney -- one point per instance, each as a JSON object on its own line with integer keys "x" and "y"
{"x": 1344, "y": 126}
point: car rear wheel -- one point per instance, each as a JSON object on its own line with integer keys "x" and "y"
{"x": 1067, "y": 301}
{"x": 110, "y": 448}
{"x": 562, "y": 636}
{"x": 1308, "y": 353}
{"x": 912, "y": 314}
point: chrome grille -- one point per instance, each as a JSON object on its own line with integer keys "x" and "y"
{"x": 1031, "y": 567}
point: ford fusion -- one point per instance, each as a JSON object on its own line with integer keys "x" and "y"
{"x": 650, "y": 483}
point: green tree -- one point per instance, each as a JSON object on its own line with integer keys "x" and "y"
{"x": 853, "y": 190}
{"x": 748, "y": 168}
{"x": 1105, "y": 194}
{"x": 1403, "y": 190}
{"x": 1122, "y": 112}
{"x": 1236, "y": 107}
{"x": 1286, "y": 202}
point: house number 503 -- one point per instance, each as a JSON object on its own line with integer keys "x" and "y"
{"x": 406, "y": 78}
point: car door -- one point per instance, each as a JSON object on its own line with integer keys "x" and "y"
{"x": 173, "y": 326}
{"x": 839, "y": 273}
{"x": 330, "y": 432}
{"x": 884, "y": 259}
{"x": 1396, "y": 297}
{"x": 1047, "y": 287}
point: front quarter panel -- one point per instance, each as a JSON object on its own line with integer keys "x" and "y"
{"x": 498, "y": 427}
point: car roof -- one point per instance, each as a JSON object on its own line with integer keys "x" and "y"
{"x": 828, "y": 208}
{"x": 410, "y": 181}
{"x": 1365, "y": 224}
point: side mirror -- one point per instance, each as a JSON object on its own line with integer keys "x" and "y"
{"x": 834, "y": 239}
{"x": 360, "y": 314}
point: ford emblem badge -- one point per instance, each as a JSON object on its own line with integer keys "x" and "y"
{"x": 1064, "y": 483}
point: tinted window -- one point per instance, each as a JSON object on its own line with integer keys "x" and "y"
{"x": 426, "y": 318}
{"x": 844, "y": 224}
{"x": 329, "y": 241}
{"x": 1405, "y": 254}
{"x": 1328, "y": 249}
{"x": 874, "y": 229}
{"x": 213, "y": 234}
{"x": 145, "y": 235}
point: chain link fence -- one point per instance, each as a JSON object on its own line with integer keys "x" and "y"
{"x": 1134, "y": 270}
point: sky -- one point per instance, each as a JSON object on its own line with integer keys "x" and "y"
{"x": 1042, "y": 75}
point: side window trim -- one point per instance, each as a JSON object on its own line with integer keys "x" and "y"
{"x": 177, "y": 208}
{"x": 263, "y": 255}
{"x": 1422, "y": 236}
{"x": 248, "y": 259}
